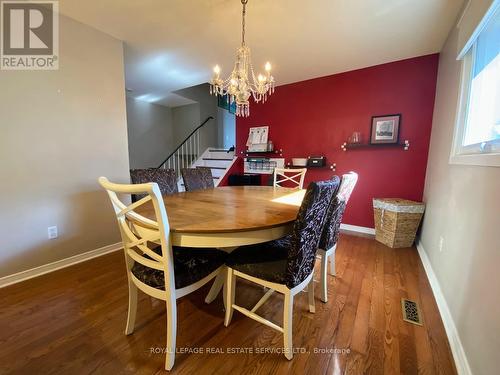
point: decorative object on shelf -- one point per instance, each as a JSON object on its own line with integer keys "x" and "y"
{"x": 257, "y": 138}
{"x": 385, "y": 129}
{"x": 262, "y": 165}
{"x": 311, "y": 162}
{"x": 352, "y": 146}
{"x": 316, "y": 161}
{"x": 355, "y": 138}
{"x": 299, "y": 162}
{"x": 270, "y": 146}
{"x": 238, "y": 86}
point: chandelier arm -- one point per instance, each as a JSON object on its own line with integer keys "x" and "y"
{"x": 253, "y": 74}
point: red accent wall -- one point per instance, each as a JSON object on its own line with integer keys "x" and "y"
{"x": 315, "y": 117}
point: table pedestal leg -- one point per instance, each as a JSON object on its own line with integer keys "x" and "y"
{"x": 216, "y": 286}
{"x": 219, "y": 280}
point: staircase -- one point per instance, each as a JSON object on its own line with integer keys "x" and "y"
{"x": 218, "y": 160}
{"x": 187, "y": 155}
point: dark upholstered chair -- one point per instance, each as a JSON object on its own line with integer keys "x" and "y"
{"x": 197, "y": 178}
{"x": 165, "y": 178}
{"x": 330, "y": 235}
{"x": 285, "y": 266}
{"x": 153, "y": 265}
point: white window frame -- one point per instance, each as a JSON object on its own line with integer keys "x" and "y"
{"x": 485, "y": 153}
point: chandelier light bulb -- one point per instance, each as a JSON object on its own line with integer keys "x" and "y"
{"x": 217, "y": 69}
{"x": 268, "y": 67}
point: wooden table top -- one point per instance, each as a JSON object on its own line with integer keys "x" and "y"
{"x": 229, "y": 209}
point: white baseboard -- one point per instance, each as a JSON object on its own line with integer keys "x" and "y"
{"x": 355, "y": 228}
{"x": 57, "y": 265}
{"x": 457, "y": 349}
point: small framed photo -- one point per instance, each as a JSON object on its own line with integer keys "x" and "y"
{"x": 385, "y": 129}
{"x": 223, "y": 102}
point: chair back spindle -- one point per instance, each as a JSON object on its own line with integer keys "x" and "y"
{"x": 294, "y": 176}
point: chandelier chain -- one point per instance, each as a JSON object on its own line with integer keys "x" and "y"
{"x": 244, "y": 2}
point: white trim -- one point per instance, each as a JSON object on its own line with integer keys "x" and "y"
{"x": 457, "y": 349}
{"x": 462, "y": 106}
{"x": 479, "y": 28}
{"x": 355, "y": 228}
{"x": 483, "y": 160}
{"x": 481, "y": 154}
{"x": 57, "y": 265}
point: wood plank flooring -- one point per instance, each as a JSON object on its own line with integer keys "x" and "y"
{"x": 72, "y": 322}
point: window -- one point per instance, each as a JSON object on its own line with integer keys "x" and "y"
{"x": 477, "y": 139}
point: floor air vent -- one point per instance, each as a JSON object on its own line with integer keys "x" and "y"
{"x": 411, "y": 312}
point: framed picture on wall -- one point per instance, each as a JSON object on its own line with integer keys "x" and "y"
{"x": 385, "y": 129}
{"x": 223, "y": 102}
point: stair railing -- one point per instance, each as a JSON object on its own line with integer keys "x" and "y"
{"x": 186, "y": 153}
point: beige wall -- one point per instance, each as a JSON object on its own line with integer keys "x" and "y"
{"x": 209, "y": 135}
{"x": 150, "y": 133}
{"x": 185, "y": 118}
{"x": 463, "y": 209}
{"x": 60, "y": 131}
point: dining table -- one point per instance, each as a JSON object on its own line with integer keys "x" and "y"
{"x": 230, "y": 216}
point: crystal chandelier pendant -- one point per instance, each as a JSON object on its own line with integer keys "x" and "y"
{"x": 242, "y": 83}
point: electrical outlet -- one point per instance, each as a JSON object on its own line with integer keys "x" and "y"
{"x": 441, "y": 243}
{"x": 52, "y": 232}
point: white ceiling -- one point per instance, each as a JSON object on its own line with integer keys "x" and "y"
{"x": 173, "y": 44}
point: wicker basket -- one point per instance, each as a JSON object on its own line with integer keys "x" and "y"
{"x": 397, "y": 221}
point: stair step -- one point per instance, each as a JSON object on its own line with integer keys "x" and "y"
{"x": 217, "y": 150}
{"x": 215, "y": 159}
{"x": 223, "y": 168}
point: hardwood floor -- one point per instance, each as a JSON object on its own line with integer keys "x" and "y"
{"x": 72, "y": 322}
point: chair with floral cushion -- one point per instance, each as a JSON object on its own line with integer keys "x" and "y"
{"x": 330, "y": 235}
{"x": 283, "y": 266}
{"x": 165, "y": 178}
{"x": 153, "y": 265}
{"x": 197, "y": 178}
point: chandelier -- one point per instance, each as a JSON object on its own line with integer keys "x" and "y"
{"x": 238, "y": 86}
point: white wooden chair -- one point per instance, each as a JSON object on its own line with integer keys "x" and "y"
{"x": 150, "y": 267}
{"x": 330, "y": 235}
{"x": 294, "y": 176}
{"x": 284, "y": 266}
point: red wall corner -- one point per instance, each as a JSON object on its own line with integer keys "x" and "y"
{"x": 236, "y": 168}
{"x": 315, "y": 117}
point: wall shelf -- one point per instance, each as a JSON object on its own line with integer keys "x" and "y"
{"x": 275, "y": 152}
{"x": 354, "y": 146}
{"x": 333, "y": 167}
